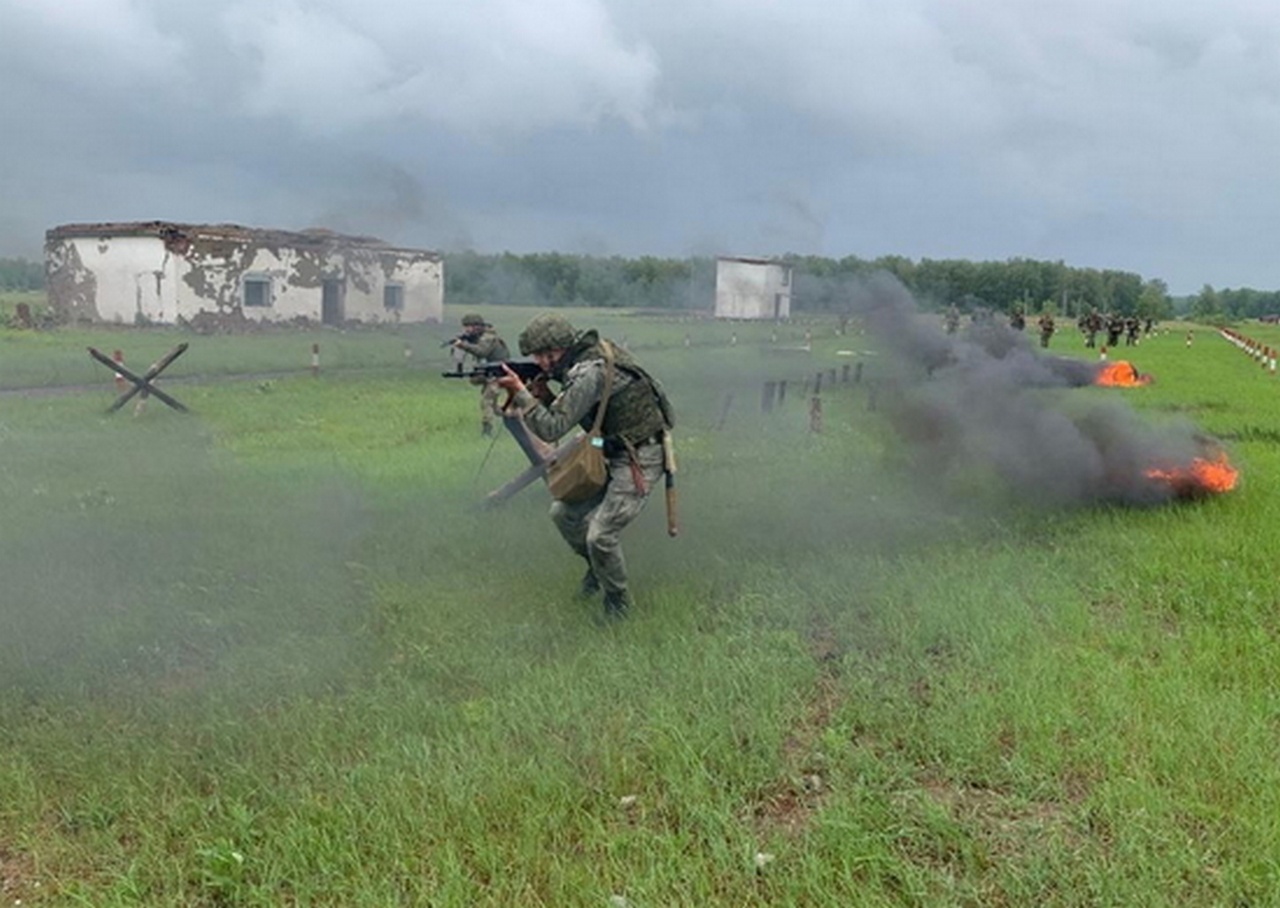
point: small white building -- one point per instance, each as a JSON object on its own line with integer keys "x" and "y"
{"x": 161, "y": 272}
{"x": 752, "y": 288}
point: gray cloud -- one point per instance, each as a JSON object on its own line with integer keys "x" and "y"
{"x": 1135, "y": 136}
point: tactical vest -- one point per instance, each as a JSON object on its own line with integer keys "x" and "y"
{"x": 495, "y": 348}
{"x": 637, "y": 411}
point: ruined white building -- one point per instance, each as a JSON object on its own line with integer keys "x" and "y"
{"x": 161, "y": 272}
{"x": 752, "y": 288}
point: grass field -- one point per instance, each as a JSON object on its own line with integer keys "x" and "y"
{"x": 274, "y": 653}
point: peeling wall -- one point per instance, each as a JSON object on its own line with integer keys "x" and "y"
{"x": 71, "y": 285}
{"x": 753, "y": 289}
{"x": 159, "y": 272}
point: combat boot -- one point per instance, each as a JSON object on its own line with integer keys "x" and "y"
{"x": 616, "y": 605}
{"x": 589, "y": 586}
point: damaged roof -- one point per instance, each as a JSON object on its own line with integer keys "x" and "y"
{"x": 311, "y": 238}
{"x": 749, "y": 260}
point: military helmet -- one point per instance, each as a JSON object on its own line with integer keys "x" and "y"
{"x": 472, "y": 320}
{"x": 547, "y": 332}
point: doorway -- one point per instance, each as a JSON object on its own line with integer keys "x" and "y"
{"x": 331, "y": 301}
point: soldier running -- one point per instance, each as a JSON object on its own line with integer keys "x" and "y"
{"x": 952, "y": 319}
{"x": 1046, "y": 325}
{"x": 637, "y": 415}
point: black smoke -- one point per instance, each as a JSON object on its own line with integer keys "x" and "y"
{"x": 985, "y": 405}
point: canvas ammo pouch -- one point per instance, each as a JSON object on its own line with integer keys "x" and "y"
{"x": 581, "y": 473}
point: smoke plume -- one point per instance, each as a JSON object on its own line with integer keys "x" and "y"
{"x": 985, "y": 402}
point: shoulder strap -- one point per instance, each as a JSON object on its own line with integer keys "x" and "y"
{"x": 607, "y": 349}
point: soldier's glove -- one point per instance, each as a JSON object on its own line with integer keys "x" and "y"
{"x": 539, "y": 389}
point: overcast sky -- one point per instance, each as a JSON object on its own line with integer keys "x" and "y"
{"x": 1142, "y": 135}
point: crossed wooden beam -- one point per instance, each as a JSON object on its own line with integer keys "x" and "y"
{"x": 539, "y": 454}
{"x": 142, "y": 384}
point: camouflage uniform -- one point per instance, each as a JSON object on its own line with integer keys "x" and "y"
{"x": 483, "y": 344}
{"x": 952, "y": 319}
{"x": 1092, "y": 325}
{"x": 1115, "y": 327}
{"x": 1046, "y": 329}
{"x": 635, "y": 418}
{"x": 1132, "y": 327}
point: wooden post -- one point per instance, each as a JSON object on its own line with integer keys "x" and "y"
{"x": 857, "y": 373}
{"x": 782, "y": 391}
{"x": 815, "y": 414}
{"x": 121, "y": 382}
{"x": 766, "y": 400}
{"x": 315, "y": 359}
{"x": 724, "y": 410}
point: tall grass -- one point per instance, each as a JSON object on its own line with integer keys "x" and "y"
{"x": 275, "y": 653}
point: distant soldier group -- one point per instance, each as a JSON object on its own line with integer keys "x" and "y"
{"x": 1112, "y": 325}
{"x": 1116, "y": 326}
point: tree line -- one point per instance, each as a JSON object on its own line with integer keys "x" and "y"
{"x": 1213, "y": 306}
{"x": 21, "y": 274}
{"x": 820, "y": 284}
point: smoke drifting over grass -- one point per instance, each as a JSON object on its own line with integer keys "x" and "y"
{"x": 132, "y": 555}
{"x": 984, "y": 401}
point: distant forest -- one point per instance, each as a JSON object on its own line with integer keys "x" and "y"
{"x": 819, "y": 284}
{"x": 21, "y": 274}
{"x": 822, "y": 285}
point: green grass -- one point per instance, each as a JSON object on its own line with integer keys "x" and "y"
{"x": 274, "y": 653}
{"x": 54, "y": 358}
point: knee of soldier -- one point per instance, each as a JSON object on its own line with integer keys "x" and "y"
{"x": 601, "y": 537}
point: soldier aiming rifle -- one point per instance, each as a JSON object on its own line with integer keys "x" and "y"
{"x": 603, "y": 389}
{"x": 481, "y": 343}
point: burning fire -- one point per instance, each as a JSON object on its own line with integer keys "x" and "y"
{"x": 1121, "y": 374}
{"x": 1203, "y": 477}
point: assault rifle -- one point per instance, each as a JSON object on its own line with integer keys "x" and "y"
{"x": 464, "y": 336}
{"x": 526, "y": 369}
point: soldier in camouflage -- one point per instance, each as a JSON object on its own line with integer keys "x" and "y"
{"x": 952, "y": 319}
{"x": 479, "y": 341}
{"x": 1047, "y": 327}
{"x": 636, "y": 416}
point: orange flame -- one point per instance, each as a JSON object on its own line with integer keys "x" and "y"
{"x": 1121, "y": 374}
{"x": 1203, "y": 477}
